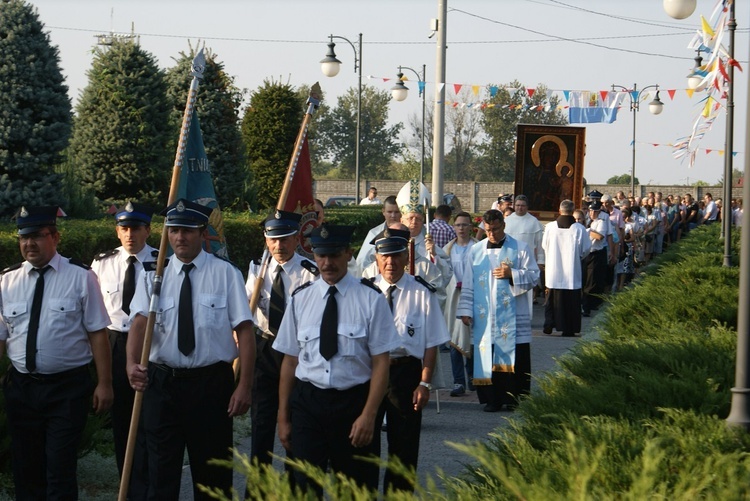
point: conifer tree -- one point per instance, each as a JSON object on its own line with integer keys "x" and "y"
{"x": 217, "y": 106}
{"x": 269, "y": 129}
{"x": 35, "y": 111}
{"x": 121, "y": 136}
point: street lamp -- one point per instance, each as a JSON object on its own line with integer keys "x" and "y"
{"x": 330, "y": 66}
{"x": 655, "y": 107}
{"x": 401, "y": 91}
{"x": 696, "y": 76}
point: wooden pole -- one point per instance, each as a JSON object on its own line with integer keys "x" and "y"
{"x": 198, "y": 66}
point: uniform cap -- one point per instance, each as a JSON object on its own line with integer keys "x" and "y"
{"x": 331, "y": 239}
{"x": 391, "y": 241}
{"x": 595, "y": 195}
{"x": 134, "y": 214}
{"x": 186, "y": 214}
{"x": 33, "y": 219}
{"x": 281, "y": 224}
{"x": 595, "y": 205}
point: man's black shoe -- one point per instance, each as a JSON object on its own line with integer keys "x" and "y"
{"x": 491, "y": 408}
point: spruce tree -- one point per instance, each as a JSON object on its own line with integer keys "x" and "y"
{"x": 269, "y": 129}
{"x": 35, "y": 111}
{"x": 121, "y": 137}
{"x": 217, "y": 104}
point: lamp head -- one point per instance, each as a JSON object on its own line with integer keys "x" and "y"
{"x": 656, "y": 106}
{"x": 329, "y": 64}
{"x": 679, "y": 9}
{"x": 399, "y": 91}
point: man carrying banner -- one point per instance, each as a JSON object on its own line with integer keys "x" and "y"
{"x": 286, "y": 271}
{"x": 119, "y": 270}
{"x": 191, "y": 397}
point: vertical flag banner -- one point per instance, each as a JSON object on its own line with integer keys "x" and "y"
{"x": 589, "y": 107}
{"x": 197, "y": 185}
{"x": 301, "y": 201}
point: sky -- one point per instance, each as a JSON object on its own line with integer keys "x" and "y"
{"x": 563, "y": 44}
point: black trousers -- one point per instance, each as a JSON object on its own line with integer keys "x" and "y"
{"x": 321, "y": 423}
{"x": 265, "y": 400}
{"x": 121, "y": 412}
{"x": 46, "y": 416}
{"x": 507, "y": 387}
{"x": 594, "y": 268}
{"x": 562, "y": 311}
{"x": 188, "y": 409}
{"x": 404, "y": 423}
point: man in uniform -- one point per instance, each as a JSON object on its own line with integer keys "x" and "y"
{"x": 421, "y": 329}
{"x": 191, "y": 397}
{"x": 118, "y": 271}
{"x": 595, "y": 264}
{"x": 391, "y": 215}
{"x": 286, "y": 271}
{"x": 53, "y": 322}
{"x": 336, "y": 335}
{"x": 499, "y": 269}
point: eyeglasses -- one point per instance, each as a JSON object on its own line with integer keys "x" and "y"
{"x": 36, "y": 237}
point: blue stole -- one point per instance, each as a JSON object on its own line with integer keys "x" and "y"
{"x": 494, "y": 320}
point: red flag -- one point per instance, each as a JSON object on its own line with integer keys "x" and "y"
{"x": 301, "y": 201}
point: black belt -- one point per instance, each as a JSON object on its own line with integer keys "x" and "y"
{"x": 181, "y": 373}
{"x": 404, "y": 360}
{"x": 49, "y": 378}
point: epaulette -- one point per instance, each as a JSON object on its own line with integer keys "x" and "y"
{"x": 151, "y": 265}
{"x": 303, "y": 286}
{"x": 424, "y": 282}
{"x": 256, "y": 261}
{"x": 155, "y": 253}
{"x": 106, "y": 254}
{"x": 368, "y": 283}
{"x": 11, "y": 268}
{"x": 226, "y": 260}
{"x": 310, "y": 267}
{"x": 78, "y": 262}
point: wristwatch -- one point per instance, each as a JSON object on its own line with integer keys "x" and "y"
{"x": 426, "y": 385}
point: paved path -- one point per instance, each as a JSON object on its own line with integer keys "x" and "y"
{"x": 460, "y": 419}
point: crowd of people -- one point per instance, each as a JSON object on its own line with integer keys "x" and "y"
{"x": 331, "y": 350}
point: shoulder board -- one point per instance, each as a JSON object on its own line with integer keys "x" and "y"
{"x": 106, "y": 254}
{"x": 303, "y": 286}
{"x": 311, "y": 267}
{"x": 155, "y": 253}
{"x": 256, "y": 261}
{"x": 11, "y": 268}
{"x": 78, "y": 262}
{"x": 368, "y": 283}
{"x": 424, "y": 282}
{"x": 151, "y": 265}
{"x": 226, "y": 260}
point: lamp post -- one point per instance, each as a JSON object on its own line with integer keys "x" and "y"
{"x": 655, "y": 107}
{"x": 401, "y": 91}
{"x": 330, "y": 66}
{"x": 726, "y": 222}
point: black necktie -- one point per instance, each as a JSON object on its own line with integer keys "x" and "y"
{"x": 128, "y": 285}
{"x": 329, "y": 343}
{"x": 36, "y": 311}
{"x": 389, "y": 296}
{"x": 276, "y": 308}
{"x": 185, "y": 328}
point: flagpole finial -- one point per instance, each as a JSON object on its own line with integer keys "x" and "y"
{"x": 315, "y": 93}
{"x": 198, "y": 65}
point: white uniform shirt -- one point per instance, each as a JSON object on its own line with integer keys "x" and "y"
{"x": 527, "y": 229}
{"x": 564, "y": 249}
{"x": 294, "y": 275}
{"x": 110, "y": 270}
{"x": 417, "y": 316}
{"x": 72, "y": 306}
{"x": 219, "y": 305}
{"x": 365, "y": 329}
{"x": 602, "y": 227}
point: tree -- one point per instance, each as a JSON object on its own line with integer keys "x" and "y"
{"x": 378, "y": 142}
{"x": 269, "y": 130}
{"x": 463, "y": 127}
{"x": 622, "y": 179}
{"x": 510, "y": 106}
{"x": 35, "y": 111}
{"x": 217, "y": 106}
{"x": 122, "y": 134}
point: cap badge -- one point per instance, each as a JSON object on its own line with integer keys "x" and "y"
{"x": 129, "y": 207}
{"x": 277, "y": 215}
{"x": 180, "y": 206}
{"x": 324, "y": 233}
{"x": 24, "y": 212}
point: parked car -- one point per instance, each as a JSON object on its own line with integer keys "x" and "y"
{"x": 340, "y": 201}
